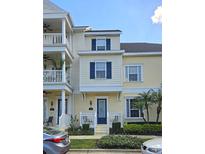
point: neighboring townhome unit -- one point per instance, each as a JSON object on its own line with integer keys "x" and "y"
{"x": 58, "y": 57}
{"x": 90, "y": 74}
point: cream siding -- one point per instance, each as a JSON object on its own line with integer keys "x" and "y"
{"x": 152, "y": 71}
{"x": 78, "y": 44}
{"x": 116, "y": 70}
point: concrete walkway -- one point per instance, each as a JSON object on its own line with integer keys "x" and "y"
{"x": 99, "y": 136}
{"x": 104, "y": 151}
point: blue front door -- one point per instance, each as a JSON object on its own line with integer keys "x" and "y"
{"x": 101, "y": 111}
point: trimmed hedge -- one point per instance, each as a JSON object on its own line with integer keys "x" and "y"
{"x": 119, "y": 142}
{"x": 143, "y": 129}
{"x": 81, "y": 131}
{"x": 116, "y": 128}
{"x": 86, "y": 126}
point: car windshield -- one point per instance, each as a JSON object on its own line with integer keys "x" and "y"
{"x": 50, "y": 131}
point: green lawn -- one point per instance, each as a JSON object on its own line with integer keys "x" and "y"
{"x": 83, "y": 143}
{"x": 87, "y": 143}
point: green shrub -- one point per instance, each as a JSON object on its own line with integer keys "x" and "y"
{"x": 119, "y": 142}
{"x": 86, "y": 126}
{"x": 80, "y": 131}
{"x": 143, "y": 129}
{"x": 116, "y": 127}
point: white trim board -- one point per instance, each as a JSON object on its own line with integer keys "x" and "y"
{"x": 101, "y": 33}
{"x": 138, "y": 90}
{"x": 55, "y": 86}
{"x": 142, "y": 54}
{"x": 110, "y": 52}
{"x": 100, "y": 88}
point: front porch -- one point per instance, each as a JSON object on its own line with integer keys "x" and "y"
{"x": 100, "y": 129}
{"x": 99, "y": 110}
{"x": 57, "y": 105}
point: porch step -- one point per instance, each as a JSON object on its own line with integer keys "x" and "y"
{"x": 102, "y": 130}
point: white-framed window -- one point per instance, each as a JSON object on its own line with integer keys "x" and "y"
{"x": 131, "y": 110}
{"x": 134, "y": 73}
{"x": 101, "y": 44}
{"x": 100, "y": 70}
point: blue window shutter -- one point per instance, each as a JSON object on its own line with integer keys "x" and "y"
{"x": 109, "y": 70}
{"x": 93, "y": 44}
{"x": 127, "y": 107}
{"x": 108, "y": 43}
{"x": 92, "y": 70}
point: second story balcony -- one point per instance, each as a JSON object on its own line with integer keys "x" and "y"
{"x": 57, "y": 72}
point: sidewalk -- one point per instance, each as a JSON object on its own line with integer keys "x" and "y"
{"x": 99, "y": 136}
{"x": 104, "y": 151}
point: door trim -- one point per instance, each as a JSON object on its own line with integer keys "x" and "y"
{"x": 96, "y": 100}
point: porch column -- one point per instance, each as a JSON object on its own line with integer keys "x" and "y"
{"x": 63, "y": 31}
{"x": 63, "y": 101}
{"x": 63, "y": 67}
{"x": 62, "y": 123}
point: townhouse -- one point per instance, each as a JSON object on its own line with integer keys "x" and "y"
{"x": 90, "y": 74}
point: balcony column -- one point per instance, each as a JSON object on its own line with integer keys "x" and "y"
{"x": 63, "y": 31}
{"x": 63, "y": 67}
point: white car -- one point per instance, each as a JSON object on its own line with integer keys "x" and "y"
{"x": 153, "y": 146}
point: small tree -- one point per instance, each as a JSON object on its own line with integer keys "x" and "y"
{"x": 157, "y": 99}
{"x": 143, "y": 101}
{"x": 139, "y": 103}
{"x": 73, "y": 122}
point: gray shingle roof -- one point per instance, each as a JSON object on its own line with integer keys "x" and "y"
{"x": 141, "y": 47}
{"x": 50, "y": 7}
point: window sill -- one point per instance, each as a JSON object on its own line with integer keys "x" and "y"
{"x": 133, "y": 81}
{"x": 100, "y": 78}
{"x": 133, "y": 118}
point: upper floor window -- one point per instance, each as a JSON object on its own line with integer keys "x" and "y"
{"x": 101, "y": 70}
{"x": 134, "y": 73}
{"x": 131, "y": 110}
{"x": 101, "y": 44}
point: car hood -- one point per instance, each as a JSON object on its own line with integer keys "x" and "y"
{"x": 154, "y": 143}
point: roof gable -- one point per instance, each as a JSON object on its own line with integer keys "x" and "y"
{"x": 50, "y": 7}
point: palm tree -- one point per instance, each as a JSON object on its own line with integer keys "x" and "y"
{"x": 157, "y": 99}
{"x": 143, "y": 101}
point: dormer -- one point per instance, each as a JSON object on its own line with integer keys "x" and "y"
{"x": 102, "y": 41}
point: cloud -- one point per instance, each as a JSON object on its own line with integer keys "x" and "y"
{"x": 157, "y": 17}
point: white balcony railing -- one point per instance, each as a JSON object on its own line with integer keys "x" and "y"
{"x": 55, "y": 39}
{"x": 52, "y": 38}
{"x": 52, "y": 76}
